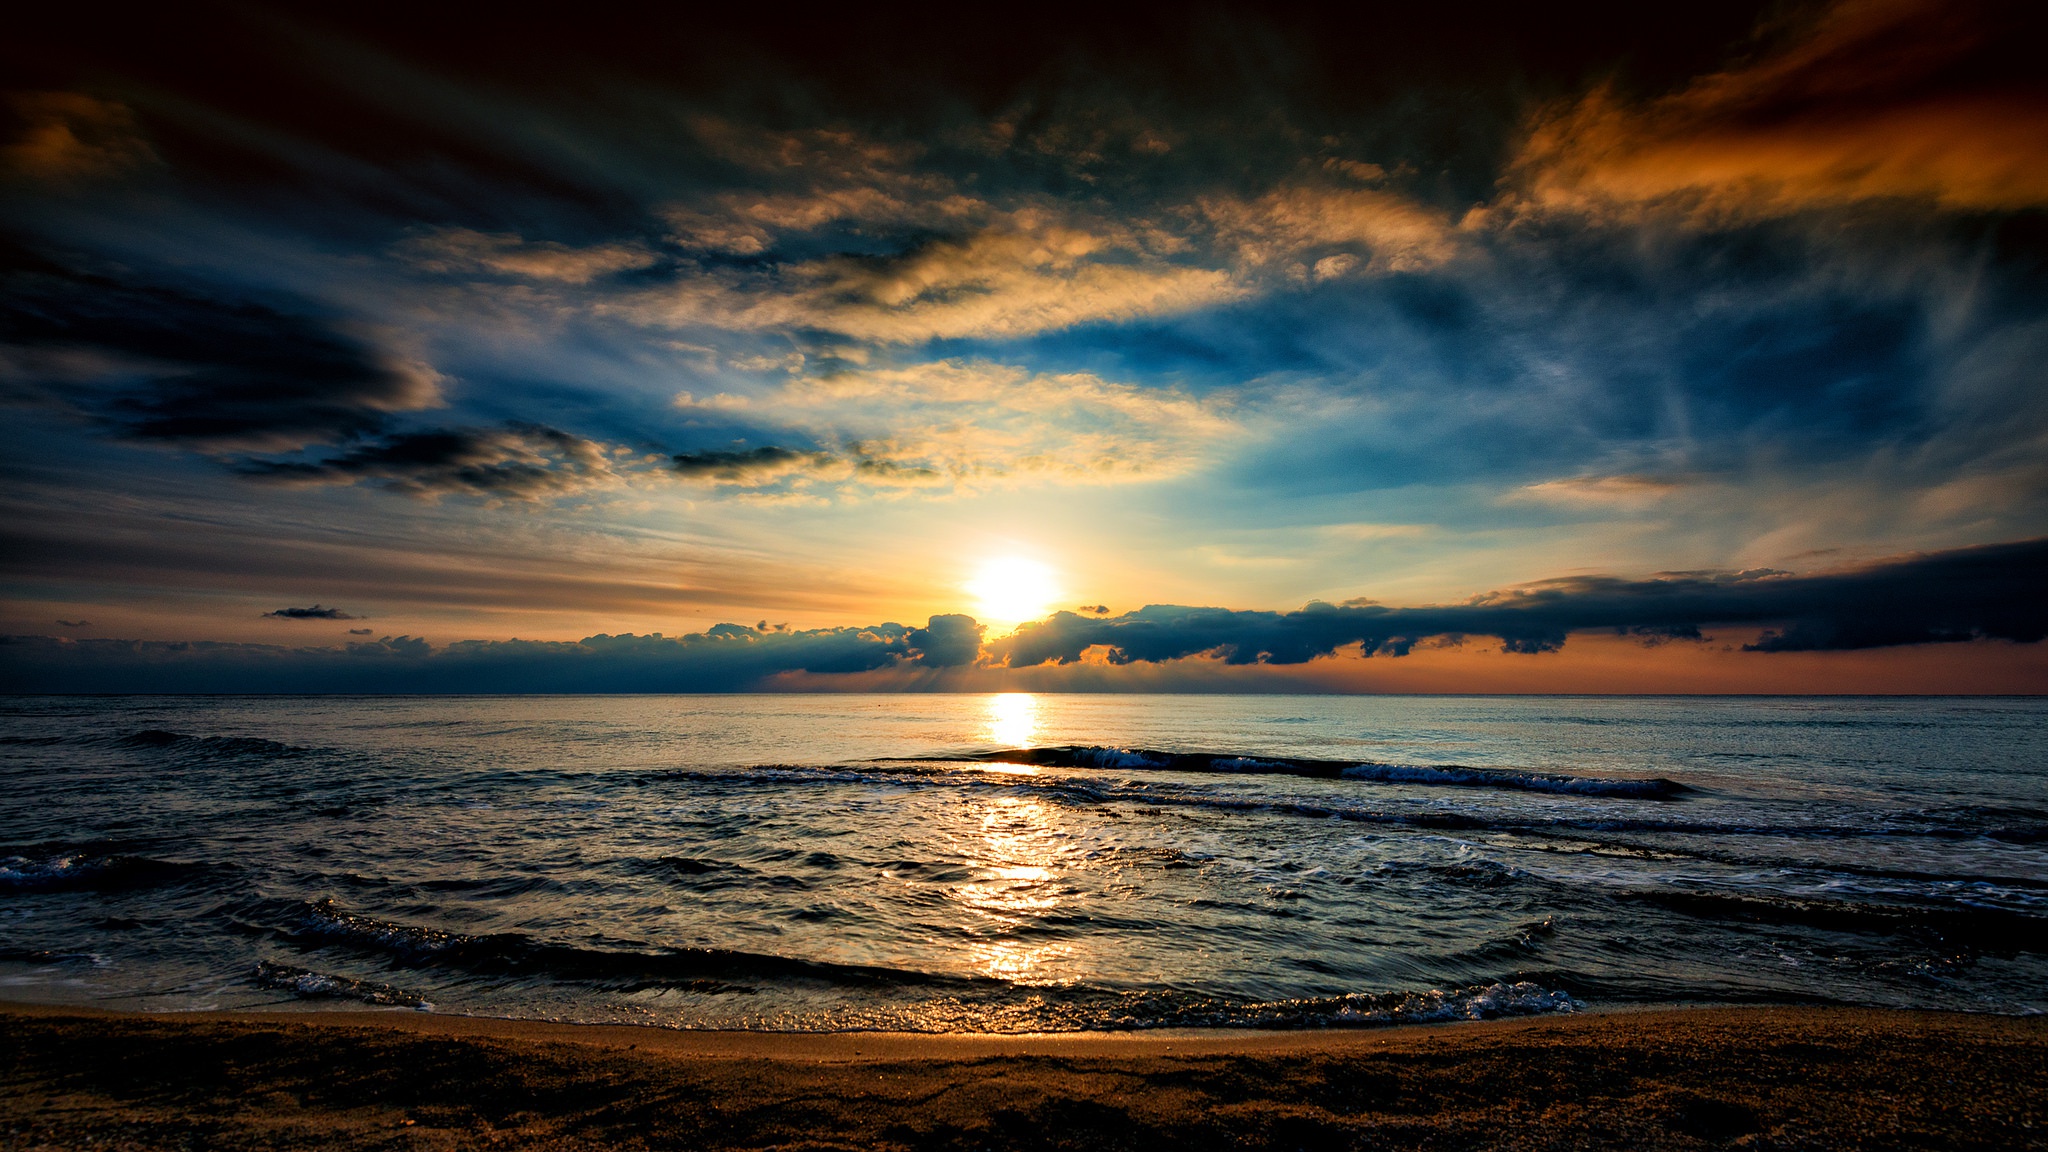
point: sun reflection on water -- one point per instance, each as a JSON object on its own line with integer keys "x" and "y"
{"x": 1012, "y": 719}
{"x": 1014, "y": 891}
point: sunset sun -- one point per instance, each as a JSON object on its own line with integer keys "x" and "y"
{"x": 1009, "y": 590}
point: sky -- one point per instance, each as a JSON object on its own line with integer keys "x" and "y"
{"x": 1505, "y": 348}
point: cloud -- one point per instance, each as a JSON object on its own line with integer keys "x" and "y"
{"x": 464, "y": 250}
{"x": 518, "y": 461}
{"x": 1870, "y": 99}
{"x": 361, "y": 631}
{"x": 1027, "y": 271}
{"x": 728, "y": 657}
{"x": 181, "y": 363}
{"x": 1323, "y": 233}
{"x": 947, "y": 641}
{"x": 1608, "y": 490}
{"x": 69, "y": 136}
{"x": 74, "y": 623}
{"x": 316, "y": 612}
{"x": 749, "y": 467}
{"x": 967, "y": 425}
{"x": 1990, "y": 592}
{"x": 1003, "y": 284}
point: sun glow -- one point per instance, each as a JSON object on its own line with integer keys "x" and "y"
{"x": 1009, "y": 590}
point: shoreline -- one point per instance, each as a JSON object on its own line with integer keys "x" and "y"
{"x": 1635, "y": 1077}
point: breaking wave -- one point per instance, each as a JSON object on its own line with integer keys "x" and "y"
{"x": 1442, "y": 775}
{"x": 629, "y": 966}
{"x": 310, "y": 985}
{"x": 85, "y": 870}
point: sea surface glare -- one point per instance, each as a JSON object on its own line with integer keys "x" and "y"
{"x": 1022, "y": 863}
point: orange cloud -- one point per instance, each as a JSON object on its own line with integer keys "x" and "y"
{"x": 69, "y": 136}
{"x": 1873, "y": 99}
{"x": 1301, "y": 224}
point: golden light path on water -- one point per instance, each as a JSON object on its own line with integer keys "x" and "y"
{"x": 1019, "y": 837}
{"x": 1014, "y": 888}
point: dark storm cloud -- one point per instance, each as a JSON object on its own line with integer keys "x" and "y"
{"x": 191, "y": 364}
{"x": 1968, "y": 594}
{"x": 316, "y": 612}
{"x": 516, "y": 461}
{"x": 729, "y": 657}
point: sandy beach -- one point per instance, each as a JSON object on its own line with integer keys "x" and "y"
{"x": 1681, "y": 1078}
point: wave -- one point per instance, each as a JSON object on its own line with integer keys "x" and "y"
{"x": 206, "y": 746}
{"x": 1994, "y": 930}
{"x": 1955, "y": 823}
{"x": 310, "y": 985}
{"x": 50, "y": 956}
{"x": 631, "y": 967}
{"x": 88, "y": 871}
{"x": 1441, "y": 775}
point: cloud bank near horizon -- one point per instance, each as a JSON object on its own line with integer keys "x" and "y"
{"x": 1965, "y": 595}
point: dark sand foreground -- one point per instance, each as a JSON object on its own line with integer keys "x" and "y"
{"x": 1690, "y": 1078}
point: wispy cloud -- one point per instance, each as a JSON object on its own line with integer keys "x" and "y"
{"x": 968, "y": 425}
{"x": 521, "y": 461}
{"x": 464, "y": 250}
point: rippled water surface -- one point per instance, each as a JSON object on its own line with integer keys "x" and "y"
{"x": 1019, "y": 862}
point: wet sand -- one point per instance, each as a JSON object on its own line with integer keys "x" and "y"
{"x": 1681, "y": 1078}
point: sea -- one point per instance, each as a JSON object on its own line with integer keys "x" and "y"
{"x": 1022, "y": 863}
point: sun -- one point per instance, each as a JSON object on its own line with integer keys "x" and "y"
{"x": 1009, "y": 590}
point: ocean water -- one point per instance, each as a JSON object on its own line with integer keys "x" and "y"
{"x": 1022, "y": 863}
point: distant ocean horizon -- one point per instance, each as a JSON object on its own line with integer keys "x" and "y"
{"x": 934, "y": 861}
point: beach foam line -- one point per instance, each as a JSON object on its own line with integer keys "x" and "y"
{"x": 310, "y": 985}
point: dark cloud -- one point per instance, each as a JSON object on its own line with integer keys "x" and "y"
{"x": 316, "y": 612}
{"x": 773, "y": 464}
{"x": 748, "y": 466}
{"x": 361, "y": 631}
{"x": 728, "y": 657}
{"x": 947, "y": 641}
{"x": 74, "y": 623}
{"x": 513, "y": 462}
{"x": 516, "y": 461}
{"x": 1969, "y": 594}
{"x": 186, "y": 363}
